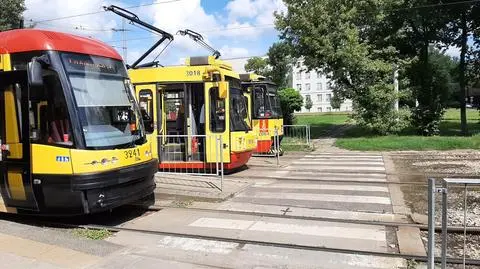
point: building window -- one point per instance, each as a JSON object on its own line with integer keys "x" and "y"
{"x": 319, "y": 86}
{"x": 299, "y": 75}
{"x": 299, "y": 87}
{"x": 307, "y": 75}
{"x": 319, "y": 97}
{"x": 307, "y": 87}
{"x": 329, "y": 97}
{"x": 319, "y": 109}
{"x": 329, "y": 109}
{"x": 319, "y": 75}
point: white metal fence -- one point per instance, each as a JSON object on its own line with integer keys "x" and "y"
{"x": 196, "y": 155}
{"x": 296, "y": 135}
{"x": 447, "y": 185}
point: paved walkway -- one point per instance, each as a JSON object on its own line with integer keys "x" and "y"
{"x": 327, "y": 185}
{"x": 16, "y": 252}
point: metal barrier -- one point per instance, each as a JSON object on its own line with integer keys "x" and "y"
{"x": 196, "y": 155}
{"x": 432, "y": 190}
{"x": 268, "y": 144}
{"x": 296, "y": 135}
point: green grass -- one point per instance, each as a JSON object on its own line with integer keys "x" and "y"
{"x": 357, "y": 138}
{"x": 449, "y": 139}
{"x": 322, "y": 123}
{"x": 398, "y": 142}
{"x": 93, "y": 234}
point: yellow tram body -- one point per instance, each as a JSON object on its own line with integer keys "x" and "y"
{"x": 55, "y": 155}
{"x": 264, "y": 110}
{"x": 195, "y": 81}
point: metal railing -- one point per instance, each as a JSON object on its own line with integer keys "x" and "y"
{"x": 187, "y": 155}
{"x": 296, "y": 135}
{"x": 268, "y": 144}
{"x": 432, "y": 190}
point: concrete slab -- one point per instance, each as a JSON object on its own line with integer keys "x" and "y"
{"x": 337, "y": 162}
{"x": 320, "y": 197}
{"x": 233, "y": 255}
{"x": 410, "y": 242}
{"x": 300, "y": 211}
{"x": 276, "y": 230}
{"x": 336, "y": 187}
{"x": 131, "y": 259}
{"x": 188, "y": 187}
{"x": 45, "y": 253}
{"x": 331, "y": 168}
{"x": 346, "y": 206}
{"x": 11, "y": 261}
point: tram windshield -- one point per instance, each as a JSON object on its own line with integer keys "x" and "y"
{"x": 266, "y": 102}
{"x": 238, "y": 106}
{"x": 107, "y": 110}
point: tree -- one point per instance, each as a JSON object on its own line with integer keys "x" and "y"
{"x": 276, "y": 67}
{"x": 428, "y": 114}
{"x": 464, "y": 23}
{"x": 290, "y": 101}
{"x": 258, "y": 65}
{"x": 336, "y": 101}
{"x": 280, "y": 62}
{"x": 308, "y": 103}
{"x": 11, "y": 14}
{"x": 338, "y": 38}
{"x": 412, "y": 27}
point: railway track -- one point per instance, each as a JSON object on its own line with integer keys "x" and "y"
{"x": 417, "y": 258}
{"x": 62, "y": 223}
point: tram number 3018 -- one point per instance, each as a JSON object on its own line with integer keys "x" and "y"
{"x": 132, "y": 153}
{"x": 193, "y": 73}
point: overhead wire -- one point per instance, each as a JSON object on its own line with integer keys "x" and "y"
{"x": 103, "y": 11}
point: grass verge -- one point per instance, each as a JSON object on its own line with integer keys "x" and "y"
{"x": 93, "y": 234}
{"x": 357, "y": 138}
{"x": 397, "y": 142}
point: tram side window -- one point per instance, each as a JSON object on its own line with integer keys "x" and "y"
{"x": 217, "y": 112}
{"x": 260, "y": 104}
{"x": 49, "y": 120}
{"x": 146, "y": 108}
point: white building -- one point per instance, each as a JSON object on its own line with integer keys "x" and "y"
{"x": 316, "y": 86}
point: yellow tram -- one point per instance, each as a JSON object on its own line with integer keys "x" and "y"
{"x": 265, "y": 111}
{"x": 210, "y": 95}
{"x": 71, "y": 135}
{"x": 196, "y": 113}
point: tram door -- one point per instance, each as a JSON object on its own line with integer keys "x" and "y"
{"x": 218, "y": 123}
{"x": 149, "y": 103}
{"x": 16, "y": 186}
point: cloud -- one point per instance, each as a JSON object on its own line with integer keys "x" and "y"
{"x": 175, "y": 16}
{"x": 261, "y": 11}
{"x": 95, "y": 25}
{"x": 232, "y": 52}
{"x": 452, "y": 51}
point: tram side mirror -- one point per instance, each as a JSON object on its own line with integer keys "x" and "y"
{"x": 222, "y": 89}
{"x": 34, "y": 71}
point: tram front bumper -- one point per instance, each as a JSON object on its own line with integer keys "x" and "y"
{"x": 97, "y": 192}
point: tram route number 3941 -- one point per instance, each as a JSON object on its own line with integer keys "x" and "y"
{"x": 132, "y": 153}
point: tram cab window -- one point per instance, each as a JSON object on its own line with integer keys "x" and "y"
{"x": 146, "y": 108}
{"x": 49, "y": 120}
{"x": 217, "y": 111}
{"x": 260, "y": 103}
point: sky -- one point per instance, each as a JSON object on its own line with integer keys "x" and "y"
{"x": 237, "y": 28}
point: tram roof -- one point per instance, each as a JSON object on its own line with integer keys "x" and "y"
{"x": 24, "y": 40}
{"x": 192, "y": 72}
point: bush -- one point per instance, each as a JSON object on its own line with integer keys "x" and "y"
{"x": 291, "y": 101}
